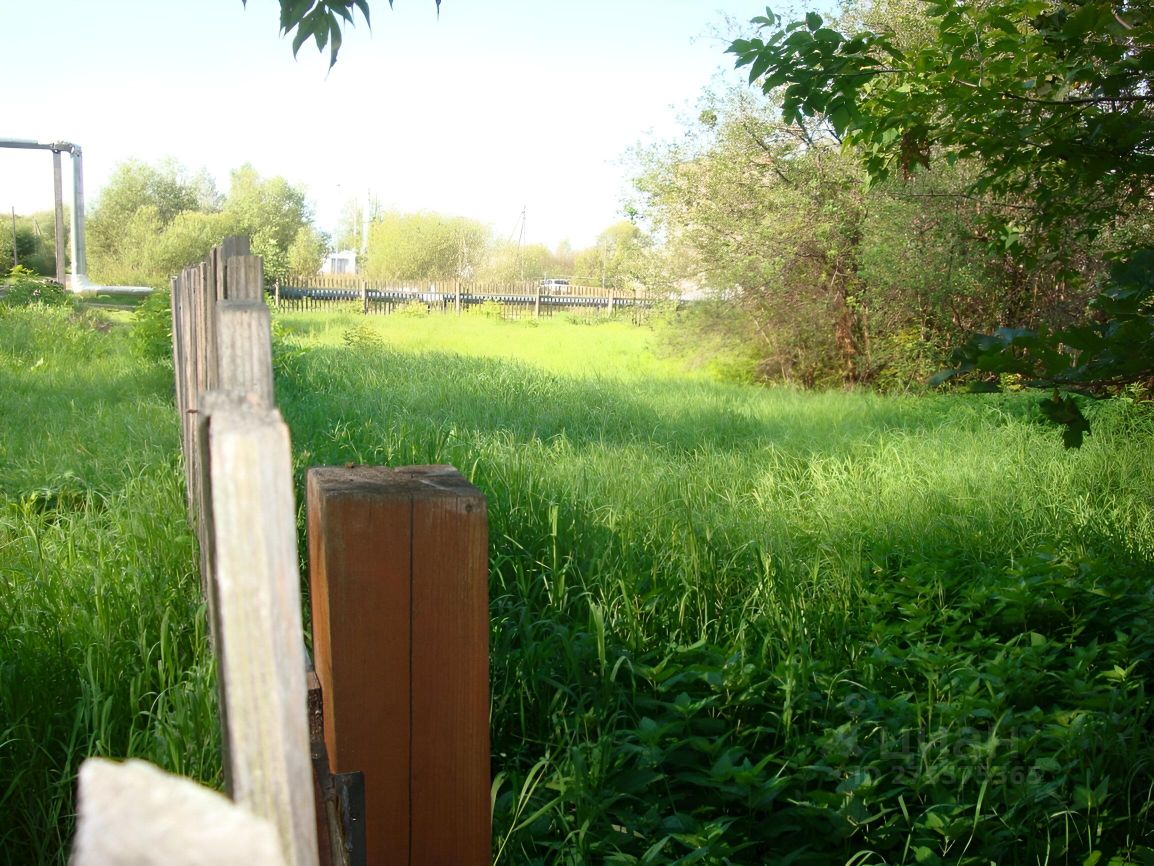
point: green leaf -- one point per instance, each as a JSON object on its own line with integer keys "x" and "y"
{"x": 1065, "y": 411}
{"x": 760, "y": 64}
{"x": 304, "y": 31}
{"x": 291, "y": 13}
{"x": 321, "y": 33}
{"x": 334, "y": 43}
{"x": 813, "y": 21}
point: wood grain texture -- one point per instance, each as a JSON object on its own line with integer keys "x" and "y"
{"x": 134, "y": 814}
{"x": 450, "y": 670}
{"x": 259, "y": 646}
{"x": 180, "y": 369}
{"x": 398, "y": 565}
{"x": 245, "y": 278}
{"x": 244, "y": 343}
{"x": 359, "y": 558}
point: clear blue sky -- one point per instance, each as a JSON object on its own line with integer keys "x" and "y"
{"x": 497, "y": 105}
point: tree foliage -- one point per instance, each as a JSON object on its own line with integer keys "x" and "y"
{"x": 35, "y": 242}
{"x": 150, "y": 221}
{"x": 835, "y": 281}
{"x": 1052, "y": 96}
{"x": 424, "y": 246}
{"x": 615, "y": 261}
{"x": 307, "y": 252}
{"x": 322, "y": 21}
{"x": 1048, "y": 104}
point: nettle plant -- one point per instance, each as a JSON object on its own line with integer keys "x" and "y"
{"x": 26, "y": 287}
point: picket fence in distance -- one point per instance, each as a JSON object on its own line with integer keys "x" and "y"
{"x": 381, "y": 753}
{"x": 514, "y": 300}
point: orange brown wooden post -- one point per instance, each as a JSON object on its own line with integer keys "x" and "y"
{"x": 399, "y": 585}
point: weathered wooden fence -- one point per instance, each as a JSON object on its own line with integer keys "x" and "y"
{"x": 510, "y": 300}
{"x": 399, "y": 696}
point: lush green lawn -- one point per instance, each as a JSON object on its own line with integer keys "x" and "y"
{"x": 748, "y": 625}
{"x": 729, "y": 624}
{"x": 102, "y": 647}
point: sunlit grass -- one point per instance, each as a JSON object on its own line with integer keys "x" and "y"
{"x": 584, "y": 347}
{"x": 102, "y": 645}
{"x": 741, "y": 624}
{"x": 729, "y": 624}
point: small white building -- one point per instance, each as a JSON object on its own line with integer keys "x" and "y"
{"x": 343, "y": 262}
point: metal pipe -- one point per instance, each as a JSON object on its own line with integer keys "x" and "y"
{"x": 79, "y": 258}
{"x": 79, "y": 282}
{"x": 25, "y": 143}
{"x": 58, "y": 190}
{"x": 79, "y": 254}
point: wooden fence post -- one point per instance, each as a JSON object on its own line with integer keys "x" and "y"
{"x": 398, "y": 573}
{"x": 182, "y": 364}
{"x": 244, "y": 341}
{"x": 260, "y": 656}
{"x": 245, "y": 278}
{"x": 236, "y": 245}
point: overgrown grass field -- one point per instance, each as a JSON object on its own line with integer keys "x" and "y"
{"x": 729, "y": 624}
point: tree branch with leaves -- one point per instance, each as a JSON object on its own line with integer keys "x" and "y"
{"x": 323, "y": 21}
{"x": 1051, "y": 100}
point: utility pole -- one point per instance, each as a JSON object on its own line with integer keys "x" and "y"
{"x": 365, "y": 219}
{"x": 520, "y": 238}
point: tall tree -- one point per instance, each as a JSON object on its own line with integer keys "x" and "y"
{"x": 769, "y": 217}
{"x": 1052, "y": 101}
{"x": 426, "y": 246}
{"x": 150, "y": 221}
{"x": 270, "y": 208}
{"x": 308, "y": 250}
{"x": 271, "y": 212}
{"x": 137, "y": 206}
{"x": 1053, "y": 96}
{"x": 613, "y": 261}
{"x": 166, "y": 189}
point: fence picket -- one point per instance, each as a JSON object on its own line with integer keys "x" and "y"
{"x": 238, "y": 469}
{"x": 244, "y": 332}
{"x": 261, "y": 656}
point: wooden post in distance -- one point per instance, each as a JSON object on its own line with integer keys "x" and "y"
{"x": 244, "y": 342}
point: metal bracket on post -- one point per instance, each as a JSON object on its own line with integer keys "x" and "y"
{"x": 350, "y": 791}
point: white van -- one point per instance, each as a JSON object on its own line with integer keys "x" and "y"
{"x": 554, "y": 287}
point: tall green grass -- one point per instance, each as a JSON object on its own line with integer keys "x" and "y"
{"x": 102, "y": 644}
{"x": 733, "y": 625}
{"x": 729, "y": 625}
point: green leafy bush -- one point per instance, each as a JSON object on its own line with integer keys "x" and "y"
{"x": 361, "y": 336}
{"x": 152, "y": 326}
{"x": 26, "y": 288}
